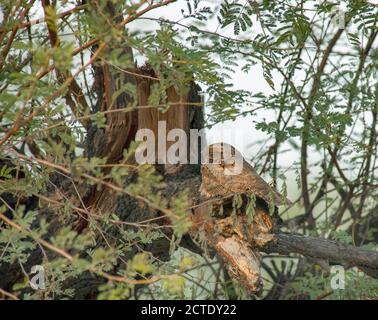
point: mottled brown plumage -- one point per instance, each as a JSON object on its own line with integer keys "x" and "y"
{"x": 226, "y": 173}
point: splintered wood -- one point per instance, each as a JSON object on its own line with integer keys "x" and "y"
{"x": 237, "y": 241}
{"x": 243, "y": 262}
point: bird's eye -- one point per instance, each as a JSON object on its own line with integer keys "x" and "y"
{"x": 227, "y": 164}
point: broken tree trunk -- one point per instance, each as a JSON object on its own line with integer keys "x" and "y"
{"x": 239, "y": 242}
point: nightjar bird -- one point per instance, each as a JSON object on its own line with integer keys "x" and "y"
{"x": 225, "y": 173}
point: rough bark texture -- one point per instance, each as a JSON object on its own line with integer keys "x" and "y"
{"x": 334, "y": 252}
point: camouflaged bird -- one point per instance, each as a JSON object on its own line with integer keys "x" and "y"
{"x": 226, "y": 173}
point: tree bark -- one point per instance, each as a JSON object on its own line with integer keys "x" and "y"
{"x": 334, "y": 252}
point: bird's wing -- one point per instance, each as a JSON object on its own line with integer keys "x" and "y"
{"x": 258, "y": 186}
{"x": 211, "y": 186}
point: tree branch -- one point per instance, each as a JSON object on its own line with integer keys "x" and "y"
{"x": 333, "y": 251}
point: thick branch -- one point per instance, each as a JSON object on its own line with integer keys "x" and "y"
{"x": 332, "y": 251}
{"x": 285, "y": 244}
